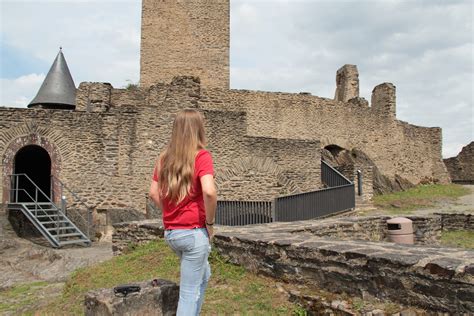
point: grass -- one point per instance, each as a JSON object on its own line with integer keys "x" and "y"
{"x": 458, "y": 238}
{"x": 419, "y": 197}
{"x": 231, "y": 289}
{"x": 16, "y": 297}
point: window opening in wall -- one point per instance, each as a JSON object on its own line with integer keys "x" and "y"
{"x": 34, "y": 161}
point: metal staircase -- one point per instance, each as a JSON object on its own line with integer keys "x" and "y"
{"x": 48, "y": 218}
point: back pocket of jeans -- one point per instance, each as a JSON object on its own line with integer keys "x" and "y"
{"x": 182, "y": 243}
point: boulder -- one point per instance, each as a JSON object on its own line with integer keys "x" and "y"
{"x": 157, "y": 297}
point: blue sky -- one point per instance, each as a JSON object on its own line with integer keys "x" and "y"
{"x": 424, "y": 47}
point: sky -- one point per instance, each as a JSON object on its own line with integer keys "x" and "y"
{"x": 424, "y": 47}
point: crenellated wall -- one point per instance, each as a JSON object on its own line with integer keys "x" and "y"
{"x": 396, "y": 147}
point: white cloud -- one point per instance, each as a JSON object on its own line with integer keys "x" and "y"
{"x": 20, "y": 91}
{"x": 100, "y": 39}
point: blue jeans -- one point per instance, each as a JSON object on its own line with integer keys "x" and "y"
{"x": 192, "y": 247}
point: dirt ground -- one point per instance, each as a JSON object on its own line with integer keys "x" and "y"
{"x": 33, "y": 261}
{"x": 464, "y": 204}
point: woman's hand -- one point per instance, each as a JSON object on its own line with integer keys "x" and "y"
{"x": 210, "y": 231}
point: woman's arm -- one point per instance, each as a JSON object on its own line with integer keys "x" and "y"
{"x": 210, "y": 201}
{"x": 155, "y": 194}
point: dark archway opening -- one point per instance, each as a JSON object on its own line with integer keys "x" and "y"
{"x": 334, "y": 150}
{"x": 34, "y": 161}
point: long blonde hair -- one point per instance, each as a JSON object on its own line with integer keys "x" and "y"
{"x": 176, "y": 162}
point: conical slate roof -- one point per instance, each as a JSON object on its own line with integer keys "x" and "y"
{"x": 58, "y": 90}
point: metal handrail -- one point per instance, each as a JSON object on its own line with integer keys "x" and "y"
{"x": 309, "y": 192}
{"x": 75, "y": 196}
{"x": 37, "y": 204}
{"x": 63, "y": 185}
{"x": 335, "y": 171}
{"x": 310, "y": 204}
{"x": 17, "y": 176}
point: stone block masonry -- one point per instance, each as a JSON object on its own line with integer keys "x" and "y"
{"x": 342, "y": 255}
{"x": 396, "y": 147}
{"x": 461, "y": 167}
{"x": 106, "y": 149}
{"x": 189, "y": 37}
{"x": 433, "y": 278}
{"x": 347, "y": 83}
{"x": 158, "y": 298}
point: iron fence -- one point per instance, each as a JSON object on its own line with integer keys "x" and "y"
{"x": 339, "y": 196}
{"x": 314, "y": 204}
{"x": 237, "y": 213}
{"x": 331, "y": 177}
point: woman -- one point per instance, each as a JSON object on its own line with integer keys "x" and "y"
{"x": 183, "y": 186}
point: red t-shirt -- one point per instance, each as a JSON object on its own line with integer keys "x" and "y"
{"x": 190, "y": 212}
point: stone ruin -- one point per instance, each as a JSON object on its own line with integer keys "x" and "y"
{"x": 350, "y": 255}
{"x": 461, "y": 167}
{"x": 156, "y": 297}
{"x": 103, "y": 147}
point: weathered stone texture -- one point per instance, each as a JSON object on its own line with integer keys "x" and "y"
{"x": 264, "y": 144}
{"x": 427, "y": 229}
{"x": 107, "y": 156}
{"x": 437, "y": 279}
{"x": 461, "y": 167}
{"x": 396, "y": 147}
{"x": 347, "y": 83}
{"x": 384, "y": 100}
{"x": 341, "y": 255}
{"x": 185, "y": 38}
{"x": 255, "y": 168}
{"x": 160, "y": 299}
{"x": 127, "y": 234}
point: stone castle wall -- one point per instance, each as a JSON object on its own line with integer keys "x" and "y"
{"x": 106, "y": 149}
{"x": 185, "y": 38}
{"x": 461, "y": 167}
{"x": 396, "y": 147}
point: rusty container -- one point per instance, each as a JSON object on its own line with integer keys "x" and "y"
{"x": 400, "y": 230}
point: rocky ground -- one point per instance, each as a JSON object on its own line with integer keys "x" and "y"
{"x": 33, "y": 262}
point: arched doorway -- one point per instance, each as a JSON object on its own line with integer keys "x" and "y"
{"x": 35, "y": 162}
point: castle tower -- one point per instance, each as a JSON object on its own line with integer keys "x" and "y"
{"x": 185, "y": 37}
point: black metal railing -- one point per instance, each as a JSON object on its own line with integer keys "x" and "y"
{"x": 331, "y": 177}
{"x": 39, "y": 208}
{"x": 237, "y": 213}
{"x": 314, "y": 204}
{"x": 339, "y": 196}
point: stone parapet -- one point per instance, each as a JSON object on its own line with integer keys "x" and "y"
{"x": 427, "y": 229}
{"x": 434, "y": 278}
{"x": 129, "y": 234}
{"x": 157, "y": 297}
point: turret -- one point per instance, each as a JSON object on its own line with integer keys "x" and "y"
{"x": 58, "y": 90}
